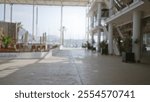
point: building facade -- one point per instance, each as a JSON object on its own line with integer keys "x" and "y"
{"x": 127, "y": 19}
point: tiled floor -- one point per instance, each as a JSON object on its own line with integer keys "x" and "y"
{"x": 74, "y": 67}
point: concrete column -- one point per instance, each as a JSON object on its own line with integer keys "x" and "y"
{"x": 11, "y": 12}
{"x": 105, "y": 33}
{"x": 110, "y": 39}
{"x": 88, "y": 36}
{"x": 92, "y": 21}
{"x": 136, "y": 48}
{"x": 33, "y": 21}
{"x": 111, "y": 4}
{"x": 63, "y": 31}
{"x": 61, "y": 28}
{"x": 92, "y": 38}
{"x": 4, "y": 10}
{"x": 99, "y": 24}
{"x": 37, "y": 21}
{"x": 110, "y": 34}
{"x": 88, "y": 30}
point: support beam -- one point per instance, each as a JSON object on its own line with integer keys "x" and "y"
{"x": 110, "y": 29}
{"x": 61, "y": 27}
{"x": 99, "y": 13}
{"x": 11, "y": 12}
{"x": 111, "y": 4}
{"x": 88, "y": 22}
{"x": 4, "y": 10}
{"x": 37, "y": 21}
{"x": 33, "y": 21}
{"x": 91, "y": 26}
{"x": 92, "y": 39}
{"x": 91, "y": 22}
{"x": 88, "y": 30}
{"x": 110, "y": 38}
{"x": 136, "y": 47}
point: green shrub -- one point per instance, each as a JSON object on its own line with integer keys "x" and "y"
{"x": 6, "y": 41}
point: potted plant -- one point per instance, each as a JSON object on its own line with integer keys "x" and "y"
{"x": 88, "y": 45}
{"x": 127, "y": 54}
{"x": 6, "y": 40}
{"x": 104, "y": 47}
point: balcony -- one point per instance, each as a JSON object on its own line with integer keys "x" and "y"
{"x": 124, "y": 13}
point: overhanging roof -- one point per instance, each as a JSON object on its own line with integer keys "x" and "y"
{"x": 48, "y": 2}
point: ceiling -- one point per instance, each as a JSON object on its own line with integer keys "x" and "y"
{"x": 48, "y": 2}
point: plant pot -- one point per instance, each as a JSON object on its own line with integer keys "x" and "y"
{"x": 128, "y": 57}
{"x": 4, "y": 46}
{"x": 104, "y": 51}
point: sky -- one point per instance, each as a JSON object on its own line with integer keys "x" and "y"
{"x": 74, "y": 19}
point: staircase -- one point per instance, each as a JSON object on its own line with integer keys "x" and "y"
{"x": 119, "y": 32}
{"x": 119, "y": 4}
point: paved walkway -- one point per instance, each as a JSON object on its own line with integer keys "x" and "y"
{"x": 73, "y": 67}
